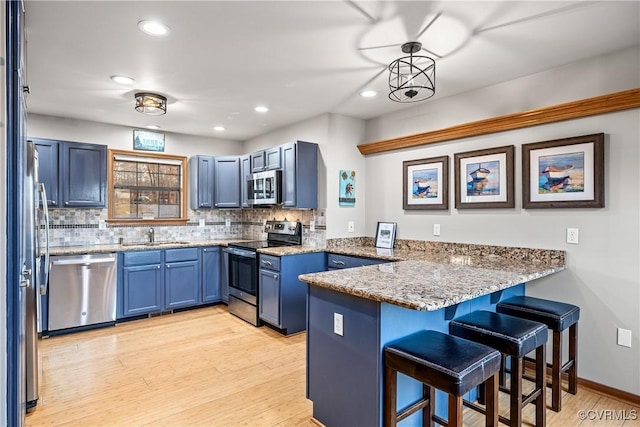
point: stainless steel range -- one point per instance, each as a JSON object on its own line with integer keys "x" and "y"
{"x": 243, "y": 267}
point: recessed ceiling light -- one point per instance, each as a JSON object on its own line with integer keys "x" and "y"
{"x": 368, "y": 93}
{"x": 152, "y": 126}
{"x": 153, "y": 28}
{"x": 261, "y": 109}
{"x": 219, "y": 128}
{"x": 123, "y": 80}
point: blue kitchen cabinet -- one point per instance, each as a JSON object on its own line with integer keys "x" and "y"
{"x": 300, "y": 175}
{"x": 282, "y": 297}
{"x": 140, "y": 283}
{"x": 201, "y": 182}
{"x": 227, "y": 182}
{"x": 210, "y": 274}
{"x": 266, "y": 160}
{"x": 181, "y": 278}
{"x": 245, "y": 173}
{"x": 48, "y": 168}
{"x": 83, "y": 175}
{"x": 338, "y": 262}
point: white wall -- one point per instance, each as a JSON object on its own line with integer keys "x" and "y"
{"x": 603, "y": 276}
{"x": 121, "y": 137}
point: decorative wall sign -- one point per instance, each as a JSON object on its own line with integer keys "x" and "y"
{"x": 347, "y": 195}
{"x": 564, "y": 173}
{"x": 484, "y": 178}
{"x": 148, "y": 141}
{"x": 425, "y": 183}
{"x": 386, "y": 235}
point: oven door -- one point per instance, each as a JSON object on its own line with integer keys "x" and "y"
{"x": 243, "y": 274}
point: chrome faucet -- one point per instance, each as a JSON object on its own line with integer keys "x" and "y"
{"x": 151, "y": 235}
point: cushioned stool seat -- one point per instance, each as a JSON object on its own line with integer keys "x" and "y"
{"x": 514, "y": 337}
{"x": 558, "y": 316}
{"x": 444, "y": 362}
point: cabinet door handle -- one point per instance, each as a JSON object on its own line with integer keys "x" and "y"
{"x": 157, "y": 267}
{"x": 267, "y": 263}
{"x": 53, "y": 202}
{"x": 168, "y": 266}
{"x": 336, "y": 262}
{"x": 66, "y": 203}
{"x": 275, "y": 276}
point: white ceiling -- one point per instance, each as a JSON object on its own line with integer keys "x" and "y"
{"x": 300, "y": 58}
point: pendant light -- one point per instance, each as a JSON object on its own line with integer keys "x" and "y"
{"x": 412, "y": 78}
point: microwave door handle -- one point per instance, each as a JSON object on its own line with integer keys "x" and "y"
{"x": 44, "y": 286}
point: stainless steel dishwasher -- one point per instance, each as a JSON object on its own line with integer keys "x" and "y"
{"x": 82, "y": 290}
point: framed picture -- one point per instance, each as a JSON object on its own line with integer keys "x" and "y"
{"x": 386, "y": 235}
{"x": 484, "y": 178}
{"x": 347, "y": 195}
{"x": 564, "y": 173}
{"x": 425, "y": 183}
{"x": 148, "y": 141}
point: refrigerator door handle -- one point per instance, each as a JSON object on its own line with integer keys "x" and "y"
{"x": 44, "y": 286}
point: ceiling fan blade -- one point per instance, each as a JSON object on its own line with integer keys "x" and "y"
{"x": 426, "y": 27}
{"x": 533, "y": 17}
{"x": 432, "y": 53}
{"x": 380, "y": 46}
{"x": 371, "y": 19}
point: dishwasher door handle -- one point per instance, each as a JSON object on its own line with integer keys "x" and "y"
{"x": 83, "y": 262}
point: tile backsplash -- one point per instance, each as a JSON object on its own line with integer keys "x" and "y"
{"x": 71, "y": 227}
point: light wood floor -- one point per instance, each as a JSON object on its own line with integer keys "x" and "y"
{"x": 204, "y": 367}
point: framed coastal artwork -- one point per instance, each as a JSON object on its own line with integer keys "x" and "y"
{"x": 484, "y": 178}
{"x": 564, "y": 173}
{"x": 425, "y": 183}
{"x": 385, "y": 235}
{"x": 347, "y": 194}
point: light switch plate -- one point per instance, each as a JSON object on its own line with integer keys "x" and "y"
{"x": 201, "y": 222}
{"x": 624, "y": 337}
{"x": 351, "y": 226}
{"x": 227, "y": 222}
{"x": 436, "y": 229}
{"x": 102, "y": 224}
{"x": 312, "y": 225}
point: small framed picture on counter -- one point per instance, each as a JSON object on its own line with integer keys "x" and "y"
{"x": 386, "y": 235}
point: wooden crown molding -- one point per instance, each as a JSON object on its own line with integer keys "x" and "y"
{"x": 609, "y": 103}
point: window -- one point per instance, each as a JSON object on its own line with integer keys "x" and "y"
{"x": 146, "y": 188}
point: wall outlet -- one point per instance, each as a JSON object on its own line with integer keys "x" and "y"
{"x": 338, "y": 325}
{"x": 201, "y": 222}
{"x": 573, "y": 236}
{"x": 312, "y": 226}
{"x": 624, "y": 337}
{"x": 102, "y": 224}
{"x": 436, "y": 229}
{"x": 227, "y": 222}
{"x": 351, "y": 227}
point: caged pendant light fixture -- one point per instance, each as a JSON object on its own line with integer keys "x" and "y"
{"x": 151, "y": 103}
{"x": 412, "y": 78}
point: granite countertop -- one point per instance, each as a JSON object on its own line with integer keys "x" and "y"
{"x": 428, "y": 281}
{"x": 142, "y": 246}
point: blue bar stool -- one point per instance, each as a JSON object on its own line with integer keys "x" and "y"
{"x": 513, "y": 337}
{"x": 558, "y": 316}
{"x": 440, "y": 361}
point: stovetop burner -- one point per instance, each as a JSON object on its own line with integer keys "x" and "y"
{"x": 258, "y": 244}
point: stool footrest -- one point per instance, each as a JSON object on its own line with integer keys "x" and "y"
{"x": 413, "y": 408}
{"x": 439, "y": 420}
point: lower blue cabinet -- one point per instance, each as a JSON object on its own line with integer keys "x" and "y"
{"x": 269, "y": 307}
{"x": 182, "y": 284}
{"x": 211, "y": 274}
{"x": 143, "y": 289}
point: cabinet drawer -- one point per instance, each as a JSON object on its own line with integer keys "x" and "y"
{"x": 270, "y": 262}
{"x": 182, "y": 254}
{"x": 335, "y": 261}
{"x": 142, "y": 257}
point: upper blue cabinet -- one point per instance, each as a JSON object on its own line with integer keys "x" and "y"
{"x": 201, "y": 182}
{"x": 300, "y": 175}
{"x": 74, "y": 173}
{"x": 227, "y": 182}
{"x": 266, "y": 160}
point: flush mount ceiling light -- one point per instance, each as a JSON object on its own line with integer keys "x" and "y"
{"x": 368, "y": 93}
{"x": 412, "y": 78}
{"x": 154, "y": 127}
{"x": 151, "y": 103}
{"x": 219, "y": 128}
{"x": 261, "y": 109}
{"x": 123, "y": 80}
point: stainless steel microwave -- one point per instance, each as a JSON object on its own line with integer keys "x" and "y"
{"x": 264, "y": 188}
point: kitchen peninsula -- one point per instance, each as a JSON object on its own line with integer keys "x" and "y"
{"x": 354, "y": 313}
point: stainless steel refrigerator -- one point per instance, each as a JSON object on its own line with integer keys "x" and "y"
{"x": 36, "y": 255}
